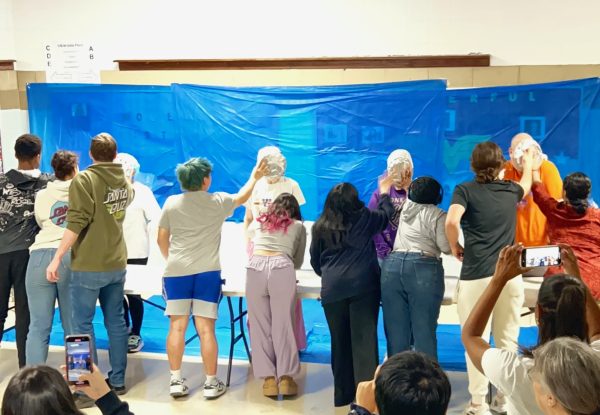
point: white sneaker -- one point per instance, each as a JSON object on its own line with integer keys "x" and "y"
{"x": 178, "y": 388}
{"x": 499, "y": 405}
{"x": 214, "y": 389}
{"x": 482, "y": 409}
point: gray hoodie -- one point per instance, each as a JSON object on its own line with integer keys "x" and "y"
{"x": 421, "y": 229}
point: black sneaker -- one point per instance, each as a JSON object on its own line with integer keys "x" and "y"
{"x": 82, "y": 401}
{"x": 119, "y": 390}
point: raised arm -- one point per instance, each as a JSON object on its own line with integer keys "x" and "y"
{"x": 380, "y": 216}
{"x": 527, "y": 177}
{"x": 246, "y": 191}
{"x": 541, "y": 197}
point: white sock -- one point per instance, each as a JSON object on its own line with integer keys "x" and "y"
{"x": 211, "y": 379}
{"x": 176, "y": 374}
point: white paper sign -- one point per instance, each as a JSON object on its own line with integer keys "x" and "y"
{"x": 71, "y": 62}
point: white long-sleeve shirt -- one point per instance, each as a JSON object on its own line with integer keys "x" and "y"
{"x": 143, "y": 213}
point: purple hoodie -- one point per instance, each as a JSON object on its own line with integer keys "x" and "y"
{"x": 384, "y": 241}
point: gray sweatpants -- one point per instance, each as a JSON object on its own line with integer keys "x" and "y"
{"x": 271, "y": 297}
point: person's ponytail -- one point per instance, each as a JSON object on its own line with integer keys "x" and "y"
{"x": 570, "y": 313}
{"x": 577, "y": 188}
{"x": 562, "y": 310}
{"x": 579, "y": 205}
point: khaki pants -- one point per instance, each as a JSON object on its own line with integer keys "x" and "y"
{"x": 504, "y": 324}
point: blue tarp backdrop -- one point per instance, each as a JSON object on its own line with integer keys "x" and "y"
{"x": 328, "y": 134}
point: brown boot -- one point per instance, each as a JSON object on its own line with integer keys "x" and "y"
{"x": 287, "y": 386}
{"x": 270, "y": 387}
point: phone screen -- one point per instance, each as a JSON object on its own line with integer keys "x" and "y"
{"x": 543, "y": 256}
{"x": 79, "y": 357}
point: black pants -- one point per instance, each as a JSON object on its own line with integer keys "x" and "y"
{"x": 13, "y": 266}
{"x": 134, "y": 306}
{"x": 354, "y": 353}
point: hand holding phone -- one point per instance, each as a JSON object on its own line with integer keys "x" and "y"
{"x": 78, "y": 351}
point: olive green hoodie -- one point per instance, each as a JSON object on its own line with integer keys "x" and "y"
{"x": 98, "y": 198}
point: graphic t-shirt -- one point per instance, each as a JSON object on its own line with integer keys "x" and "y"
{"x": 264, "y": 193}
{"x": 17, "y": 221}
{"x": 488, "y": 224}
{"x": 384, "y": 241}
{"x": 51, "y": 207}
{"x": 194, "y": 220}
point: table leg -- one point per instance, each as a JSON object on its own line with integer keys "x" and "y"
{"x": 234, "y": 338}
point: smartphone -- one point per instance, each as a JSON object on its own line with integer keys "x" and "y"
{"x": 540, "y": 256}
{"x": 78, "y": 348}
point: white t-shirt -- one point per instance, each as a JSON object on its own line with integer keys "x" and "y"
{"x": 509, "y": 372}
{"x": 264, "y": 193}
{"x": 143, "y": 212}
{"x": 194, "y": 220}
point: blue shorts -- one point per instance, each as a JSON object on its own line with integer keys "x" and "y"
{"x": 197, "y": 294}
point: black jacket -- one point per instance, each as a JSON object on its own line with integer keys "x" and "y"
{"x": 17, "y": 220}
{"x": 350, "y": 268}
{"x": 110, "y": 404}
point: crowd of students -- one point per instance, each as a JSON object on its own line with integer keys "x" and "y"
{"x": 74, "y": 236}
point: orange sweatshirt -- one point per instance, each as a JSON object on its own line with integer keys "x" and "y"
{"x": 531, "y": 222}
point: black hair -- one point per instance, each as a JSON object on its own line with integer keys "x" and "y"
{"x": 280, "y": 214}
{"x": 39, "y": 390}
{"x": 27, "y": 147}
{"x": 411, "y": 383}
{"x": 561, "y": 310}
{"x": 577, "y": 190}
{"x": 426, "y": 191}
{"x": 341, "y": 205}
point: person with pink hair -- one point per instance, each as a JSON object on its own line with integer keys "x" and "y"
{"x": 279, "y": 244}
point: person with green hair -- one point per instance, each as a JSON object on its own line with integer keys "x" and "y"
{"x": 189, "y": 237}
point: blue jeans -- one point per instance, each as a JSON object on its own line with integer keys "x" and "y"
{"x": 86, "y": 289}
{"x": 42, "y": 296}
{"x": 412, "y": 290}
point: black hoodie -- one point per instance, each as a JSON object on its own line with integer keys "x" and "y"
{"x": 17, "y": 221}
{"x": 351, "y": 268}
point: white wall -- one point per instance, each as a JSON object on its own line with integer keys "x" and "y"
{"x": 13, "y": 123}
{"x": 7, "y": 43}
{"x": 515, "y": 32}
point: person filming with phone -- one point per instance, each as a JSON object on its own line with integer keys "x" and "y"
{"x": 565, "y": 308}
{"x": 42, "y": 390}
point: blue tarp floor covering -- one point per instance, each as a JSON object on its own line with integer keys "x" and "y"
{"x": 155, "y": 329}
